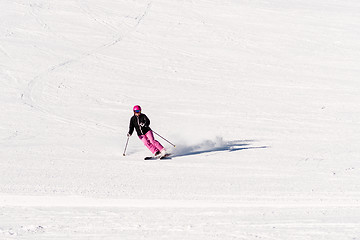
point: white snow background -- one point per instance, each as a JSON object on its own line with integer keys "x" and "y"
{"x": 261, "y": 98}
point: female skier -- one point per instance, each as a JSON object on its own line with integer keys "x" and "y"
{"x": 141, "y": 124}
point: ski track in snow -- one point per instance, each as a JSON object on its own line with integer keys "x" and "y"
{"x": 57, "y": 216}
{"x": 3, "y": 51}
{"x": 248, "y": 202}
{"x": 36, "y": 101}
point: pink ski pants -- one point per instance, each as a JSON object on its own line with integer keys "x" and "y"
{"x": 150, "y": 142}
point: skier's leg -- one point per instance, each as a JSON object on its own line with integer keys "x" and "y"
{"x": 148, "y": 144}
{"x": 151, "y": 138}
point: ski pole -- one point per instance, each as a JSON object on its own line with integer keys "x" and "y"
{"x": 164, "y": 138}
{"x": 126, "y": 146}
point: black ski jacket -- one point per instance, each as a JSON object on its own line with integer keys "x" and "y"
{"x": 140, "y": 123}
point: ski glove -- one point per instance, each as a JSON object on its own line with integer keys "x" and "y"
{"x": 128, "y": 135}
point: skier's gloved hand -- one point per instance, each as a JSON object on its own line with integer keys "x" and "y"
{"x": 128, "y": 135}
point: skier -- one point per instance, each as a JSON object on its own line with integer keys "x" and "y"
{"x": 141, "y": 124}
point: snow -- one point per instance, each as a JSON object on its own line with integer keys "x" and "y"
{"x": 261, "y": 99}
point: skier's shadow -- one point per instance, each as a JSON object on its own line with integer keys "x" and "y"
{"x": 215, "y": 146}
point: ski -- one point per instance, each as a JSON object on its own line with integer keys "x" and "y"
{"x": 166, "y": 156}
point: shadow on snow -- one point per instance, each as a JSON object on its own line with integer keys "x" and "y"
{"x": 218, "y": 145}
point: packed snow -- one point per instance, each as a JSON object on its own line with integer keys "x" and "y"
{"x": 261, "y": 99}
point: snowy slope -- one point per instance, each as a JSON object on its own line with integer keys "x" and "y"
{"x": 260, "y": 97}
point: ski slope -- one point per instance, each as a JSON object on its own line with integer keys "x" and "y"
{"x": 260, "y": 97}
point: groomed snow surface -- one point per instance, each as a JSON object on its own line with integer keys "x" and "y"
{"x": 260, "y": 97}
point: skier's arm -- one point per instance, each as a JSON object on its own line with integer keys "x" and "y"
{"x": 131, "y": 127}
{"x": 147, "y": 121}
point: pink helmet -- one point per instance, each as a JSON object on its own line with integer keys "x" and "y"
{"x": 136, "y": 108}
